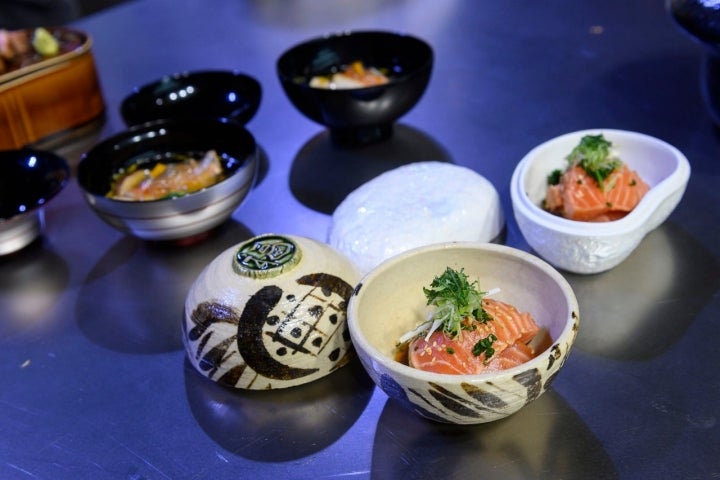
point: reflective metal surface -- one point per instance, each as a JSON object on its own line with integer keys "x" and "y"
{"x": 95, "y": 383}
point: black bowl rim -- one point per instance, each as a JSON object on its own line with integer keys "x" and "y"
{"x": 248, "y": 81}
{"x": 124, "y": 135}
{"x": 59, "y": 166}
{"x": 285, "y": 77}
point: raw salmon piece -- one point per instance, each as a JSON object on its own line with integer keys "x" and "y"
{"x": 170, "y": 179}
{"x": 509, "y": 324}
{"x": 510, "y": 357}
{"x": 366, "y": 77}
{"x": 554, "y": 198}
{"x": 582, "y": 199}
{"x": 441, "y": 354}
{"x": 624, "y": 189}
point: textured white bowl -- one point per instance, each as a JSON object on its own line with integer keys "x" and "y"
{"x": 587, "y": 247}
{"x": 270, "y": 313}
{"x": 389, "y": 301}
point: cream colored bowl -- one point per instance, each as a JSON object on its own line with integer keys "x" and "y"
{"x": 586, "y": 247}
{"x": 270, "y": 313}
{"x": 389, "y": 301}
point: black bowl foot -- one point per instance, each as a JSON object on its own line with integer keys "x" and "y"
{"x": 361, "y": 136}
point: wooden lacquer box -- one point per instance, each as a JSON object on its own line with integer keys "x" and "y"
{"x": 51, "y": 97}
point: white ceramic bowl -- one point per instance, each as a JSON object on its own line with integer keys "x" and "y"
{"x": 587, "y": 247}
{"x": 270, "y": 313}
{"x": 389, "y": 301}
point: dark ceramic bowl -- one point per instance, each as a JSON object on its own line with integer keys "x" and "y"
{"x": 29, "y": 179}
{"x": 176, "y": 217}
{"x": 357, "y": 116}
{"x": 699, "y": 18}
{"x": 701, "y": 21}
{"x": 210, "y": 93}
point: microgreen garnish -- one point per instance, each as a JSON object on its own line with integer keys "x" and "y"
{"x": 554, "y": 177}
{"x": 485, "y": 346}
{"x": 593, "y": 154}
{"x": 456, "y": 300}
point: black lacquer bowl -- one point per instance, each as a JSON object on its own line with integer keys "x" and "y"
{"x": 210, "y": 93}
{"x": 175, "y": 217}
{"x": 29, "y": 179}
{"x": 701, "y": 21}
{"x": 357, "y": 116}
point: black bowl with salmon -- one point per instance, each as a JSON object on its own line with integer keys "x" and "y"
{"x": 357, "y": 84}
{"x": 170, "y": 179}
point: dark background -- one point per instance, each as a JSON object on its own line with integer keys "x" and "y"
{"x": 16, "y": 14}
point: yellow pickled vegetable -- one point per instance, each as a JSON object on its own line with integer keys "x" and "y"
{"x": 44, "y": 43}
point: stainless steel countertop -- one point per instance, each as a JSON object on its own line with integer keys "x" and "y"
{"x": 94, "y": 378}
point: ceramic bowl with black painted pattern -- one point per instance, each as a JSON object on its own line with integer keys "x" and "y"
{"x": 270, "y": 313}
{"x": 390, "y": 301}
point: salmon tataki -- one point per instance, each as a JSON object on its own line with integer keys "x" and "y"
{"x": 468, "y": 334}
{"x": 596, "y": 186}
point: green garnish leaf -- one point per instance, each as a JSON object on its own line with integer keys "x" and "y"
{"x": 594, "y": 156}
{"x": 485, "y": 346}
{"x": 455, "y": 299}
{"x": 554, "y": 177}
{"x": 457, "y": 304}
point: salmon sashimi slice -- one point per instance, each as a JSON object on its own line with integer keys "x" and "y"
{"x": 582, "y": 199}
{"x": 509, "y": 325}
{"x": 511, "y": 328}
{"x": 553, "y": 198}
{"x": 624, "y": 189}
{"x": 168, "y": 179}
{"x": 579, "y": 197}
{"x": 512, "y": 356}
